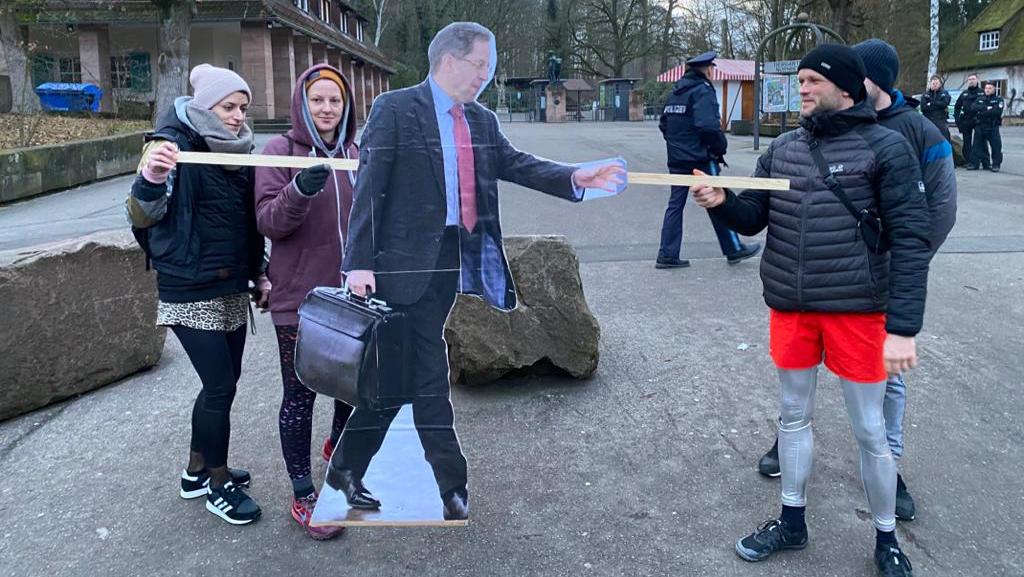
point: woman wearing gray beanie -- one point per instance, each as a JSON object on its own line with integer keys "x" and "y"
{"x": 197, "y": 225}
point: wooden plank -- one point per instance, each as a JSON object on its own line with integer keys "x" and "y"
{"x": 651, "y": 178}
{"x": 400, "y": 477}
{"x": 265, "y": 160}
{"x": 738, "y": 182}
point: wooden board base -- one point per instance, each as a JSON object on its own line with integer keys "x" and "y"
{"x": 400, "y": 477}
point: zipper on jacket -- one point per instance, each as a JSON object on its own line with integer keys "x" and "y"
{"x": 800, "y": 251}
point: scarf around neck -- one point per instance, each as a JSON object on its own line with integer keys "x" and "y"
{"x": 217, "y": 137}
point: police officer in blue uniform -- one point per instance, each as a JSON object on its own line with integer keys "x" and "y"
{"x": 693, "y": 133}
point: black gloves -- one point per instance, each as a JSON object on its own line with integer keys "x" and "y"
{"x": 311, "y": 180}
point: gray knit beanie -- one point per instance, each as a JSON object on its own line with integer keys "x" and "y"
{"x": 211, "y": 84}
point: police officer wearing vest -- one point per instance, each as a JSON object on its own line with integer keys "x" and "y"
{"x": 693, "y": 134}
{"x": 988, "y": 112}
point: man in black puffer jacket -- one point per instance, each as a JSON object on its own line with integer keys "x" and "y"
{"x": 830, "y": 295}
{"x": 896, "y": 112}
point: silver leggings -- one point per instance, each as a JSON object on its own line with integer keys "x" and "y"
{"x": 796, "y": 442}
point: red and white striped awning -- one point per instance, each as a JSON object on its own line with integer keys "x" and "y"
{"x": 725, "y": 69}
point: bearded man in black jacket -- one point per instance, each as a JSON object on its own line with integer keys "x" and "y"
{"x": 831, "y": 295}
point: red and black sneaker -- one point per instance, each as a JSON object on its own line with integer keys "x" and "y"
{"x": 302, "y": 512}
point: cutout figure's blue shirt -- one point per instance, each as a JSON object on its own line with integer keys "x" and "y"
{"x": 446, "y": 127}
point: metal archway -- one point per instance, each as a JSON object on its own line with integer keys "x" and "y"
{"x": 802, "y": 24}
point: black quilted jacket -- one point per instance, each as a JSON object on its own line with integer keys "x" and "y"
{"x": 814, "y": 258}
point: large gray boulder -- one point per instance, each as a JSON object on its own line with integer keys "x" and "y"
{"x": 77, "y": 315}
{"x": 552, "y": 329}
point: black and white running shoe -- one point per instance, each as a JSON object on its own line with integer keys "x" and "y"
{"x": 232, "y": 504}
{"x": 194, "y": 486}
{"x": 891, "y": 562}
{"x": 771, "y": 537}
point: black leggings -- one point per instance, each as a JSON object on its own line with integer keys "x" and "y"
{"x": 217, "y": 358}
{"x": 295, "y": 419}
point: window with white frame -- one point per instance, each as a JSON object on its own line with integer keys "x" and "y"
{"x": 325, "y": 11}
{"x": 988, "y": 40}
{"x": 301, "y": 4}
{"x": 344, "y": 22}
{"x": 359, "y": 31}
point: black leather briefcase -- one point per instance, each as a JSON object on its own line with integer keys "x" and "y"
{"x": 353, "y": 349}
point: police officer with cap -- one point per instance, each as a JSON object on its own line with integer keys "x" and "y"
{"x": 693, "y": 134}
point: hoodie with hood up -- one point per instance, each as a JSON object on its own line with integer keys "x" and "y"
{"x": 307, "y": 232}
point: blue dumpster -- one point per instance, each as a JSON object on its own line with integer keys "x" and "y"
{"x": 65, "y": 97}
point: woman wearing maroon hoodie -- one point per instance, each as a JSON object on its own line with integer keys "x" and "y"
{"x": 305, "y": 215}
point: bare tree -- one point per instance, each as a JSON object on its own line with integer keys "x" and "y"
{"x": 667, "y": 36}
{"x": 173, "y": 44}
{"x": 933, "y": 28}
{"x": 380, "y": 22}
{"x": 15, "y": 49}
{"x": 607, "y": 35}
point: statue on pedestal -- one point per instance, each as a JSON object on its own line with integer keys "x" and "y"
{"x": 554, "y": 69}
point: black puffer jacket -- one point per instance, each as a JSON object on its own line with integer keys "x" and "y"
{"x": 814, "y": 258}
{"x": 204, "y": 243}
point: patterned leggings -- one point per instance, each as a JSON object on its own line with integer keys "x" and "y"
{"x": 295, "y": 419}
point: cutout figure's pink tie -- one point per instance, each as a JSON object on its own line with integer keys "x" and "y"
{"x": 467, "y": 171}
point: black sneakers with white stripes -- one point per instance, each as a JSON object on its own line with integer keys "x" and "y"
{"x": 194, "y": 486}
{"x": 232, "y": 504}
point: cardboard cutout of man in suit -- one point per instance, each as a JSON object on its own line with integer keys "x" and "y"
{"x": 425, "y": 226}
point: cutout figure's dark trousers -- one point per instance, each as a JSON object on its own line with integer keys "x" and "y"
{"x": 432, "y": 408}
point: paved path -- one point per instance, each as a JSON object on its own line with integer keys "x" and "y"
{"x": 646, "y": 469}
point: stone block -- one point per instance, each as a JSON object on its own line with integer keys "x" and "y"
{"x": 78, "y": 315}
{"x": 551, "y": 331}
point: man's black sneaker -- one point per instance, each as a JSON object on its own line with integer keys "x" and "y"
{"x": 905, "y": 509}
{"x": 232, "y": 504}
{"x": 972, "y": 167}
{"x": 995, "y": 168}
{"x": 771, "y": 537}
{"x": 194, "y": 486}
{"x": 744, "y": 253}
{"x": 769, "y": 463}
{"x": 663, "y": 262}
{"x": 891, "y": 562}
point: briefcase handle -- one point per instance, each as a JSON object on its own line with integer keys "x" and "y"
{"x": 368, "y": 300}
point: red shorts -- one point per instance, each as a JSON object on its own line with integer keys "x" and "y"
{"x": 851, "y": 343}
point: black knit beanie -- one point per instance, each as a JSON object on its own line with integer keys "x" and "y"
{"x": 881, "y": 62}
{"x": 841, "y": 65}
